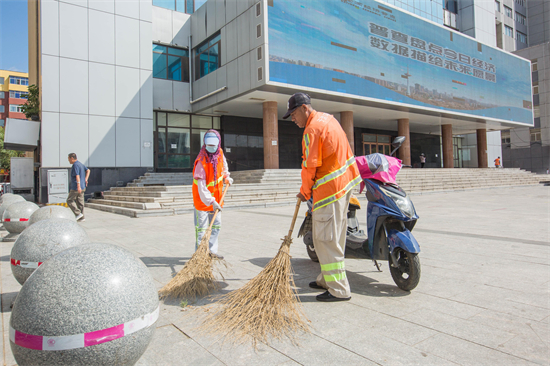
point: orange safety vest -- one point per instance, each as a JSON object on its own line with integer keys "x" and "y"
{"x": 325, "y": 147}
{"x": 213, "y": 184}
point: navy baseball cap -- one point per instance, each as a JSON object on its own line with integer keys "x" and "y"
{"x": 296, "y": 101}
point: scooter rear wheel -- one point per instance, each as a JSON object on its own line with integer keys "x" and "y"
{"x": 311, "y": 252}
{"x": 407, "y": 275}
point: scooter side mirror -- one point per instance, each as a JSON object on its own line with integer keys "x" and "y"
{"x": 398, "y": 141}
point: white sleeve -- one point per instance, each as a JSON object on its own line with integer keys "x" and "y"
{"x": 204, "y": 193}
{"x": 225, "y": 168}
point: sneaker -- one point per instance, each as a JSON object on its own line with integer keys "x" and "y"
{"x": 216, "y": 256}
{"x": 328, "y": 297}
{"x": 316, "y": 286}
{"x": 79, "y": 216}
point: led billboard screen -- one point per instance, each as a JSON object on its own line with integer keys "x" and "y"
{"x": 368, "y": 49}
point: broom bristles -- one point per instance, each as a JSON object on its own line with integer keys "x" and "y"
{"x": 266, "y": 307}
{"x": 196, "y": 278}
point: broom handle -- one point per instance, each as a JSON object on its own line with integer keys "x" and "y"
{"x": 216, "y": 212}
{"x": 294, "y": 218}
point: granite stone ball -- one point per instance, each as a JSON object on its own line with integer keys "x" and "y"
{"x": 8, "y": 201}
{"x": 92, "y": 304}
{"x": 50, "y": 212}
{"x": 16, "y": 216}
{"x": 41, "y": 241}
{"x": 5, "y": 195}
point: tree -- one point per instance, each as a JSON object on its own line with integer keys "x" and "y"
{"x": 5, "y": 155}
{"x": 31, "y": 108}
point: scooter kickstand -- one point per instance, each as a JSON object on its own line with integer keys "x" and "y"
{"x": 377, "y": 265}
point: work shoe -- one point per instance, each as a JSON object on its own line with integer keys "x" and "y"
{"x": 216, "y": 256}
{"x": 328, "y": 297}
{"x": 316, "y": 286}
{"x": 79, "y": 217}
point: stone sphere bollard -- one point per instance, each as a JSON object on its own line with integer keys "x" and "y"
{"x": 5, "y": 195}
{"x": 92, "y": 304}
{"x": 16, "y": 218}
{"x": 50, "y": 212}
{"x": 8, "y": 201}
{"x": 41, "y": 241}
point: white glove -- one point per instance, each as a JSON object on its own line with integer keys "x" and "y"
{"x": 229, "y": 180}
{"x": 216, "y": 206}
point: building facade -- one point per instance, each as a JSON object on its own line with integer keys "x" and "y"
{"x": 133, "y": 86}
{"x": 14, "y": 88}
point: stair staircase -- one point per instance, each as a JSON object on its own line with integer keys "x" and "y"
{"x": 164, "y": 194}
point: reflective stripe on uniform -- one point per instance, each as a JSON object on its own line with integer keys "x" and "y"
{"x": 330, "y": 199}
{"x": 335, "y": 277}
{"x": 211, "y": 184}
{"x": 306, "y": 142}
{"x": 332, "y": 266}
{"x": 335, "y": 174}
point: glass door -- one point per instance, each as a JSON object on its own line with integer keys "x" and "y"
{"x": 173, "y": 141}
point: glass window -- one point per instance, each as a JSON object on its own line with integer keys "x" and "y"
{"x": 15, "y": 108}
{"x": 534, "y": 65}
{"x": 497, "y": 6}
{"x": 2, "y": 123}
{"x": 509, "y": 31}
{"x": 1, "y": 81}
{"x": 2, "y": 110}
{"x": 170, "y": 63}
{"x": 18, "y": 94}
{"x": 167, "y": 4}
{"x": 521, "y": 37}
{"x": 520, "y": 18}
{"x": 178, "y": 120}
{"x": 507, "y": 11}
{"x": 207, "y": 56}
{"x": 2, "y": 95}
{"x": 216, "y": 123}
{"x": 161, "y": 119}
{"x": 202, "y": 122}
{"x": 16, "y": 80}
{"x": 369, "y": 138}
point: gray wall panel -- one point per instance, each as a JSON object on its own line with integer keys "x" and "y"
{"x": 128, "y": 139}
{"x": 102, "y": 141}
{"x": 162, "y": 25}
{"x": 162, "y": 94}
{"x": 244, "y": 73}
{"x": 181, "y": 96}
{"x": 242, "y": 5}
{"x": 243, "y": 34}
{"x": 210, "y": 18}
{"x": 73, "y": 137}
{"x": 146, "y": 146}
{"x": 231, "y": 41}
{"x": 220, "y": 13}
{"x": 232, "y": 71}
{"x": 181, "y": 29}
{"x": 49, "y": 137}
{"x": 221, "y": 81}
{"x": 231, "y": 6}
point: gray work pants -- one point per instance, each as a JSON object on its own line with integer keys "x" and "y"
{"x": 75, "y": 201}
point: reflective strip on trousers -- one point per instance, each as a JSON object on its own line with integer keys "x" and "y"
{"x": 333, "y": 198}
{"x": 327, "y": 178}
{"x": 332, "y": 266}
{"x": 334, "y": 277}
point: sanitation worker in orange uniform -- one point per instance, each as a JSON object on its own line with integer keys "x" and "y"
{"x": 329, "y": 173}
{"x": 209, "y": 174}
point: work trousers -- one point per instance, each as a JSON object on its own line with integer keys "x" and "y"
{"x": 75, "y": 201}
{"x": 329, "y": 237}
{"x": 202, "y": 222}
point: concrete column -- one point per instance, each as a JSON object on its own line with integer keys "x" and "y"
{"x": 481, "y": 148}
{"x": 346, "y": 120}
{"x": 271, "y": 136}
{"x": 405, "y": 149}
{"x": 447, "y": 140}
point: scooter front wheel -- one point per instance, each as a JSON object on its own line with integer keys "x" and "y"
{"x": 311, "y": 252}
{"x": 407, "y": 275}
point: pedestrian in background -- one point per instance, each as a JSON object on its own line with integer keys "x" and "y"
{"x": 422, "y": 160}
{"x": 497, "y": 162}
{"x": 79, "y": 182}
{"x": 209, "y": 173}
{"x": 329, "y": 172}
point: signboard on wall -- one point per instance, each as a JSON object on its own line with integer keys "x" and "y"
{"x": 368, "y": 49}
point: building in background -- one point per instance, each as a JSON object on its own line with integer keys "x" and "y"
{"x": 14, "y": 88}
{"x": 132, "y": 86}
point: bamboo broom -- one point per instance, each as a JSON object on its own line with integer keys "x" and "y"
{"x": 196, "y": 278}
{"x": 266, "y": 307}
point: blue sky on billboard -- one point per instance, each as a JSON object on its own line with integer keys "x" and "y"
{"x": 13, "y": 35}
{"x": 370, "y": 39}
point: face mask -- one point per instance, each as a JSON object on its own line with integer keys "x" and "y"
{"x": 211, "y": 149}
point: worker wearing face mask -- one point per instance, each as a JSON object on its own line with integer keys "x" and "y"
{"x": 209, "y": 174}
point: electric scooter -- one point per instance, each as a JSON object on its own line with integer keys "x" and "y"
{"x": 391, "y": 217}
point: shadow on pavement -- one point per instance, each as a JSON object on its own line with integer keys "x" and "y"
{"x": 7, "y": 301}
{"x": 164, "y": 262}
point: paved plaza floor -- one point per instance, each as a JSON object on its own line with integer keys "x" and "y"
{"x": 483, "y": 298}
